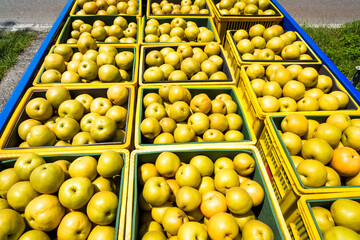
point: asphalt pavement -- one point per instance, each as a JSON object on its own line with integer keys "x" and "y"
{"x": 322, "y": 12}
{"x": 39, "y": 15}
{"x": 32, "y": 14}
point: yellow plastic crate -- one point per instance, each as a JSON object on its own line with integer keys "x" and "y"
{"x": 49, "y": 156}
{"x": 236, "y": 62}
{"x": 10, "y": 140}
{"x": 230, "y": 46}
{"x": 258, "y": 115}
{"x": 269, "y": 211}
{"x": 133, "y": 76}
{"x": 201, "y": 22}
{"x": 65, "y": 33}
{"x": 211, "y": 91}
{"x": 302, "y": 223}
{"x": 235, "y": 22}
{"x": 271, "y": 157}
{"x": 77, "y": 8}
{"x": 231, "y": 80}
{"x": 231, "y": 56}
{"x": 149, "y": 13}
{"x": 283, "y": 175}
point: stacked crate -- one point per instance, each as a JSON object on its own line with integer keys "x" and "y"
{"x": 286, "y": 208}
{"x": 147, "y": 151}
{"x": 36, "y": 87}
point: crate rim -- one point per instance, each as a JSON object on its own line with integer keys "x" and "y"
{"x": 120, "y": 228}
{"x": 70, "y": 19}
{"x": 142, "y": 69}
{"x": 58, "y": 149}
{"x": 230, "y": 38}
{"x": 151, "y": 15}
{"x": 136, "y": 48}
{"x": 228, "y": 17}
{"x": 73, "y": 9}
{"x": 285, "y": 158}
{"x": 307, "y": 215}
{"x": 262, "y": 115}
{"x": 132, "y": 175}
{"x": 142, "y": 33}
{"x": 138, "y": 114}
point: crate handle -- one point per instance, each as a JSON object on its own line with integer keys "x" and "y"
{"x": 293, "y": 231}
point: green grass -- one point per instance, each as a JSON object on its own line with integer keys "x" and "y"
{"x": 341, "y": 45}
{"x": 12, "y": 43}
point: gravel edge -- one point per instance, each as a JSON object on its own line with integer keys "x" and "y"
{"x": 14, "y": 74}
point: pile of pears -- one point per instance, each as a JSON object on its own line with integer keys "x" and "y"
{"x": 60, "y": 120}
{"x": 245, "y": 7}
{"x": 294, "y": 88}
{"x": 61, "y": 199}
{"x": 208, "y": 198}
{"x": 107, "y": 7}
{"x": 272, "y": 43}
{"x": 185, "y": 63}
{"x": 185, "y": 7}
{"x": 324, "y": 154}
{"x": 120, "y": 32}
{"x": 174, "y": 116}
{"x": 341, "y": 221}
{"x": 90, "y": 65}
{"x": 176, "y": 30}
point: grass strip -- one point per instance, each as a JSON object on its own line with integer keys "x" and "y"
{"x": 341, "y": 45}
{"x": 12, "y": 43}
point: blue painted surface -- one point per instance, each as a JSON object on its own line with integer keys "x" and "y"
{"x": 291, "y": 24}
{"x": 27, "y": 79}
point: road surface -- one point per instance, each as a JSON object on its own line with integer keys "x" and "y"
{"x": 41, "y": 14}
{"x": 33, "y": 14}
{"x": 319, "y": 12}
